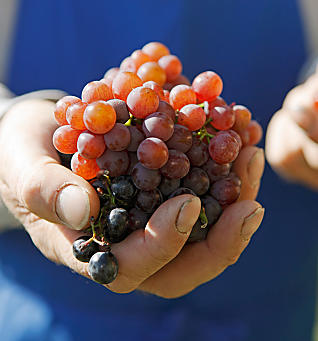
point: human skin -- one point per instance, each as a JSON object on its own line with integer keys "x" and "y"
{"x": 292, "y": 136}
{"x": 53, "y": 204}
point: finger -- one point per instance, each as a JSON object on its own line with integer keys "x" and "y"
{"x": 249, "y": 167}
{"x": 146, "y": 251}
{"x": 200, "y": 262}
{"x": 41, "y": 184}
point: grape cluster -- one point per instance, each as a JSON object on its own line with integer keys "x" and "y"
{"x": 144, "y": 134}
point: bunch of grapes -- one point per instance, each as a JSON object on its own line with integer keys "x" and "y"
{"x": 144, "y": 134}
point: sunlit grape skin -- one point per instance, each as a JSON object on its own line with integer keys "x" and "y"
{"x": 182, "y": 95}
{"x": 155, "y": 87}
{"x": 151, "y": 71}
{"x": 152, "y": 153}
{"x": 123, "y": 83}
{"x": 74, "y": 115}
{"x": 110, "y": 75}
{"x": 90, "y": 146}
{"x": 222, "y": 117}
{"x": 142, "y": 102}
{"x": 158, "y": 125}
{"x": 118, "y": 138}
{"x": 99, "y": 117}
{"x": 242, "y": 117}
{"x": 65, "y": 139}
{"x": 192, "y": 116}
{"x": 61, "y": 108}
{"x": 129, "y": 65}
{"x": 207, "y": 85}
{"x": 140, "y": 58}
{"x": 155, "y": 50}
{"x": 171, "y": 65}
{"x": 223, "y": 148}
{"x": 177, "y": 166}
{"x": 85, "y": 168}
{"x": 95, "y": 91}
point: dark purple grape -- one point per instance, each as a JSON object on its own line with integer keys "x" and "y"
{"x": 198, "y": 153}
{"x": 212, "y": 209}
{"x": 103, "y": 267}
{"x": 117, "y": 225}
{"x": 226, "y": 190}
{"x": 82, "y": 251}
{"x": 122, "y": 113}
{"x": 115, "y": 162}
{"x": 136, "y": 137}
{"x": 123, "y": 188}
{"x": 180, "y": 191}
{"x": 197, "y": 180}
{"x": 144, "y": 178}
{"x": 100, "y": 188}
{"x": 118, "y": 138}
{"x": 148, "y": 201}
{"x": 198, "y": 233}
{"x": 181, "y": 139}
{"x": 167, "y": 186}
{"x": 177, "y": 166}
{"x": 167, "y": 109}
{"x": 137, "y": 219}
{"x": 158, "y": 125}
{"x": 215, "y": 171}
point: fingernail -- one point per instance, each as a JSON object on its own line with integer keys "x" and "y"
{"x": 255, "y": 167}
{"x": 72, "y": 206}
{"x": 186, "y": 217}
{"x": 251, "y": 223}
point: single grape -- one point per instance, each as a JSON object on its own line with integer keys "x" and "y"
{"x": 116, "y": 163}
{"x": 61, "y": 108}
{"x": 96, "y": 91}
{"x": 142, "y": 102}
{"x": 166, "y": 108}
{"x": 140, "y": 58}
{"x": 216, "y": 171}
{"x": 110, "y": 75}
{"x": 137, "y": 219}
{"x": 90, "y": 146}
{"x": 83, "y": 251}
{"x": 182, "y": 95}
{"x": 148, "y": 201}
{"x": 74, "y": 115}
{"x": 144, "y": 178}
{"x": 197, "y": 180}
{"x": 167, "y": 186}
{"x": 171, "y": 65}
{"x": 207, "y": 86}
{"x": 242, "y": 117}
{"x": 103, "y": 267}
{"x": 158, "y": 125}
{"x": 136, "y": 137}
{"x": 181, "y": 139}
{"x": 65, "y": 139}
{"x": 129, "y": 65}
{"x": 212, "y": 209}
{"x": 85, "y": 168}
{"x": 181, "y": 191}
{"x": 123, "y": 188}
{"x": 99, "y": 117}
{"x": 118, "y": 138}
{"x": 224, "y": 148}
{"x": 151, "y": 71}
{"x": 227, "y": 190}
{"x": 255, "y": 132}
{"x": 222, "y": 117}
{"x": 122, "y": 113}
{"x": 155, "y": 87}
{"x": 236, "y": 136}
{"x": 198, "y": 233}
{"x": 218, "y": 102}
{"x": 152, "y": 153}
{"x": 155, "y": 50}
{"x": 198, "y": 154}
{"x": 123, "y": 83}
{"x": 117, "y": 225}
{"x": 177, "y": 166}
{"x": 192, "y": 116}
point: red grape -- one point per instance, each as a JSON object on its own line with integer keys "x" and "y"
{"x": 87, "y": 169}
{"x": 144, "y": 178}
{"x": 122, "y": 113}
{"x": 65, "y": 139}
{"x": 158, "y": 125}
{"x": 140, "y": 58}
{"x": 95, "y": 91}
{"x": 142, "y": 102}
{"x": 197, "y": 180}
{"x": 182, "y": 95}
{"x": 152, "y": 153}
{"x": 136, "y": 136}
{"x": 155, "y": 87}
{"x": 166, "y": 108}
{"x": 90, "y": 146}
{"x": 222, "y": 117}
{"x": 123, "y": 83}
{"x": 192, "y": 116}
{"x": 118, "y": 138}
{"x": 224, "y": 148}
{"x": 198, "y": 154}
{"x": 207, "y": 86}
{"x": 110, "y": 75}
{"x": 181, "y": 139}
{"x": 177, "y": 166}
{"x": 171, "y": 65}
{"x": 116, "y": 163}
{"x": 226, "y": 190}
{"x": 255, "y": 132}
{"x": 242, "y": 117}
{"x": 74, "y": 115}
{"x": 155, "y": 50}
{"x": 61, "y": 108}
{"x": 151, "y": 71}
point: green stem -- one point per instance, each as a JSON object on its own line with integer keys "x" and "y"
{"x": 203, "y": 218}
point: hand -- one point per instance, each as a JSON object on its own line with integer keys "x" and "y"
{"x": 292, "y": 135}
{"x": 53, "y": 204}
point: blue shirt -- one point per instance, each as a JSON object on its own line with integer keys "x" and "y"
{"x": 258, "y": 48}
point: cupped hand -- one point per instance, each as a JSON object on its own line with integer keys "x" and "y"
{"x": 292, "y": 135}
{"x": 53, "y": 204}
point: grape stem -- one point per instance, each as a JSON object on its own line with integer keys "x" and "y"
{"x": 203, "y": 218}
